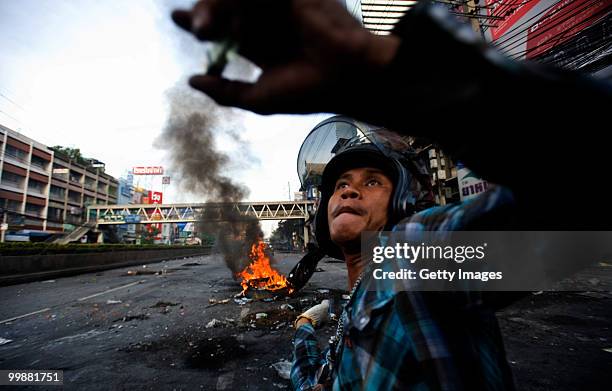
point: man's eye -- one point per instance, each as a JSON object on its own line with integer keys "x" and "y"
{"x": 373, "y": 182}
{"x": 341, "y": 185}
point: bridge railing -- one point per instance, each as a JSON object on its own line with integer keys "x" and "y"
{"x": 185, "y": 212}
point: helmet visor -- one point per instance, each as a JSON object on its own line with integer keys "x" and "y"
{"x": 335, "y": 135}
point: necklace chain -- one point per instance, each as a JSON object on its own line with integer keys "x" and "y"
{"x": 337, "y": 338}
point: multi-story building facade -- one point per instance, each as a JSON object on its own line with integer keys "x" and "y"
{"x": 44, "y": 191}
{"x": 443, "y": 171}
{"x": 126, "y": 232}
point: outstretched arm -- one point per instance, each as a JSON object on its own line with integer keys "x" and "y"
{"x": 506, "y": 120}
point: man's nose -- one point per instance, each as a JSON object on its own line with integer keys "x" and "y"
{"x": 349, "y": 192}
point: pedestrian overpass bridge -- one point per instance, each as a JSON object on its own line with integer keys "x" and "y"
{"x": 192, "y": 212}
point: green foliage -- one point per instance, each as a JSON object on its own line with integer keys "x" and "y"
{"x": 148, "y": 237}
{"x": 285, "y": 230}
{"x": 282, "y": 236}
{"x": 73, "y": 154}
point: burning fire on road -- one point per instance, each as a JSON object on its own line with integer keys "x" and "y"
{"x": 259, "y": 274}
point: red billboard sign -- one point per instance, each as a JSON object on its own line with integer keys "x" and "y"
{"x": 510, "y": 11}
{"x": 156, "y": 197}
{"x": 560, "y": 23}
{"x": 152, "y": 170}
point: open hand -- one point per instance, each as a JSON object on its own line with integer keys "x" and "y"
{"x": 313, "y": 53}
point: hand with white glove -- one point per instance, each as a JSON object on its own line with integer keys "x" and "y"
{"x": 316, "y": 315}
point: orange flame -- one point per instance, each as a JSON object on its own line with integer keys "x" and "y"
{"x": 260, "y": 274}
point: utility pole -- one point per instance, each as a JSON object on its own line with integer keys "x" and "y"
{"x": 4, "y": 226}
{"x": 471, "y": 10}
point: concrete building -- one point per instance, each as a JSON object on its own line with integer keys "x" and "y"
{"x": 443, "y": 171}
{"x": 126, "y": 232}
{"x": 43, "y": 191}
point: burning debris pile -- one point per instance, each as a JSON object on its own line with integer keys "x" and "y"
{"x": 202, "y": 169}
{"x": 260, "y": 274}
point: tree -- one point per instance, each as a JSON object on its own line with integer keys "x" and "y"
{"x": 74, "y": 154}
{"x": 283, "y": 234}
{"x": 149, "y": 234}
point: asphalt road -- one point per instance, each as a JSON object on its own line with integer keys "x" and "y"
{"x": 148, "y": 330}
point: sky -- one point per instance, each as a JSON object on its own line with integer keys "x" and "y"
{"x": 93, "y": 75}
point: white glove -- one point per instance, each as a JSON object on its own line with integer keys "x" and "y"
{"x": 317, "y": 315}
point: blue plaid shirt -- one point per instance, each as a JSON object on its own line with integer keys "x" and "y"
{"x": 405, "y": 339}
{"x": 414, "y": 340}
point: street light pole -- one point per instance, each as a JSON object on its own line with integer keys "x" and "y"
{"x": 4, "y": 226}
{"x": 471, "y": 8}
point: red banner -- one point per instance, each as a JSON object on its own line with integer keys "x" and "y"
{"x": 560, "y": 23}
{"x": 156, "y": 197}
{"x": 511, "y": 11}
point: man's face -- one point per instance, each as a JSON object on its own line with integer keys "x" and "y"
{"x": 359, "y": 203}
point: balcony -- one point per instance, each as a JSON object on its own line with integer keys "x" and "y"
{"x": 41, "y": 167}
{"x": 60, "y": 177}
{"x": 55, "y": 225}
{"x": 37, "y": 215}
{"x": 21, "y": 159}
{"x": 34, "y": 211}
{"x": 14, "y": 209}
{"x": 15, "y": 220}
{"x": 12, "y": 185}
{"x": 33, "y": 223}
{"x": 37, "y": 191}
{"x": 74, "y": 201}
{"x": 57, "y": 193}
{"x": 57, "y": 197}
{"x": 60, "y": 172}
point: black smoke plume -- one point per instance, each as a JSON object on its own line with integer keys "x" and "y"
{"x": 201, "y": 169}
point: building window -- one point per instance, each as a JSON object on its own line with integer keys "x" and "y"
{"x": 40, "y": 163}
{"x": 57, "y": 192}
{"x": 14, "y": 180}
{"x": 11, "y": 205}
{"x": 36, "y": 186}
{"x": 74, "y": 197}
{"x": 35, "y": 210}
{"x": 55, "y": 215}
{"x": 60, "y": 172}
{"x": 16, "y": 153}
{"x": 75, "y": 177}
{"x": 90, "y": 184}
